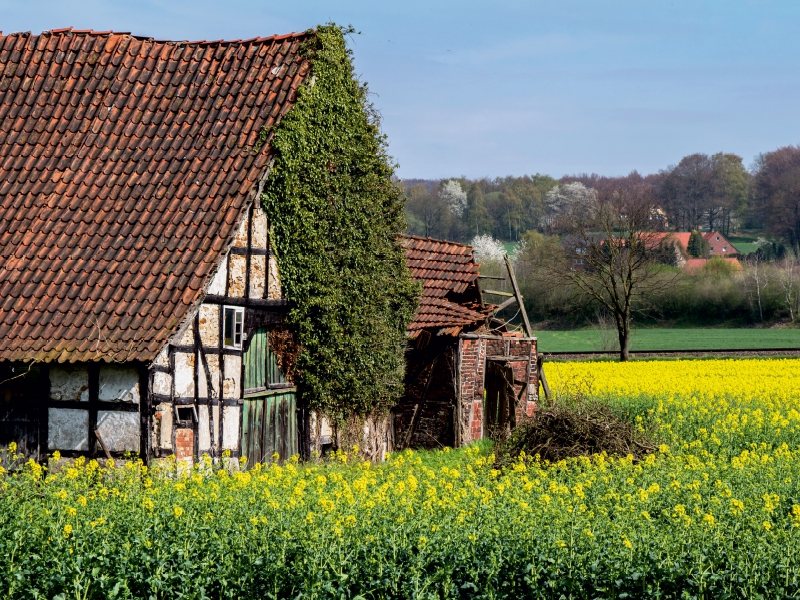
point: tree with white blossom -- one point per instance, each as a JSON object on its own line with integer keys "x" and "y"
{"x": 454, "y": 196}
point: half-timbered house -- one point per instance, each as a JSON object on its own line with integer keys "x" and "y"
{"x": 140, "y": 299}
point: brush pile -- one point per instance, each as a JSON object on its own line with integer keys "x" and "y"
{"x": 568, "y": 429}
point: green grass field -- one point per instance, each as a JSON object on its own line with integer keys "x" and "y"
{"x": 670, "y": 339}
{"x": 744, "y": 243}
{"x": 510, "y": 247}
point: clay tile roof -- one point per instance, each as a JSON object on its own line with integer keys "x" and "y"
{"x": 110, "y": 145}
{"x": 445, "y": 269}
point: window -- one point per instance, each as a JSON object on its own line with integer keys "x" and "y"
{"x": 724, "y": 248}
{"x": 186, "y": 412}
{"x": 233, "y": 328}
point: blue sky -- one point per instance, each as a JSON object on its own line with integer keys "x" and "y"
{"x": 509, "y": 88}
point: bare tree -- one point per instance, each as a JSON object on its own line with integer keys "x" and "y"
{"x": 777, "y": 192}
{"x": 787, "y": 271}
{"x": 756, "y": 277}
{"x": 609, "y": 253}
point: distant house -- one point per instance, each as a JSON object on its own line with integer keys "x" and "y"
{"x": 719, "y": 245}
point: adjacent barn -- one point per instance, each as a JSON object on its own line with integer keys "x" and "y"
{"x": 466, "y": 371}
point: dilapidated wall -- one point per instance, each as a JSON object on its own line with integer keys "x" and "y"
{"x": 430, "y": 393}
{"x": 195, "y": 375}
{"x": 474, "y": 351}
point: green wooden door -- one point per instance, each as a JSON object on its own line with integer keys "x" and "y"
{"x": 269, "y": 426}
{"x": 269, "y": 419}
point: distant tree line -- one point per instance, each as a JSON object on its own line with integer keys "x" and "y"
{"x": 711, "y": 192}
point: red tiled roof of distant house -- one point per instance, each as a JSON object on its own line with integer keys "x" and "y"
{"x": 695, "y": 264}
{"x": 656, "y": 238}
{"x": 125, "y": 163}
{"x": 719, "y": 245}
{"x": 447, "y": 270}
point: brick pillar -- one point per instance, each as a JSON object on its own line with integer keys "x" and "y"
{"x": 184, "y": 443}
{"x": 472, "y": 363}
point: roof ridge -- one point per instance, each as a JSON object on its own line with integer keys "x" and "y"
{"x": 253, "y": 40}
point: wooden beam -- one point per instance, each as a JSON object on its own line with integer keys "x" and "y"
{"x": 505, "y": 304}
{"x": 496, "y": 293}
{"x": 518, "y": 295}
{"x": 542, "y": 378}
{"x": 102, "y": 443}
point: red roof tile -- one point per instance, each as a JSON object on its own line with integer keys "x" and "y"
{"x": 124, "y": 165}
{"x": 445, "y": 269}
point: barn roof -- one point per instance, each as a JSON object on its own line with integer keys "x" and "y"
{"x": 125, "y": 165}
{"x": 447, "y": 270}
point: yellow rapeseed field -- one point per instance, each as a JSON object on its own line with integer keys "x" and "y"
{"x": 714, "y": 512}
{"x": 726, "y": 402}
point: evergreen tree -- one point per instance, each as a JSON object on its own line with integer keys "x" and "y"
{"x": 698, "y": 245}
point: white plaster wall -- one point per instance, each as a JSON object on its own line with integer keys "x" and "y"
{"x": 187, "y": 337}
{"x": 233, "y": 373}
{"x": 230, "y": 433}
{"x": 202, "y": 385}
{"x": 68, "y": 429}
{"x": 237, "y": 276}
{"x": 184, "y": 375}
{"x": 203, "y": 431}
{"x": 258, "y": 269}
{"x": 69, "y": 382}
{"x": 215, "y": 412}
{"x": 162, "y": 383}
{"x": 241, "y": 234}
{"x": 162, "y": 430}
{"x": 217, "y": 286}
{"x": 162, "y": 359}
{"x": 119, "y": 384}
{"x": 209, "y": 325}
{"x": 119, "y": 430}
{"x": 259, "y": 235}
{"x": 274, "y": 292}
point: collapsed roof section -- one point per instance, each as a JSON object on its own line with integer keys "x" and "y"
{"x": 125, "y": 166}
{"x": 450, "y": 299}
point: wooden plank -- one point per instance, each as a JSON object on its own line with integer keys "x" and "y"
{"x": 102, "y": 443}
{"x": 505, "y": 304}
{"x": 497, "y": 293}
{"x": 508, "y": 358}
{"x": 518, "y": 295}
{"x": 542, "y": 378}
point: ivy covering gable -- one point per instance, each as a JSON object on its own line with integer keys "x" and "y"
{"x": 336, "y": 216}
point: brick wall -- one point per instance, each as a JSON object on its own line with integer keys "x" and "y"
{"x": 184, "y": 443}
{"x": 452, "y": 405}
{"x": 473, "y": 352}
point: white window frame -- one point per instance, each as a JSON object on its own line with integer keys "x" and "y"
{"x": 237, "y": 331}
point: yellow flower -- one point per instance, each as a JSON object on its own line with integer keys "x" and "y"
{"x": 177, "y": 510}
{"x": 767, "y": 525}
{"x": 67, "y": 530}
{"x": 82, "y": 500}
{"x": 627, "y": 543}
{"x": 148, "y": 504}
